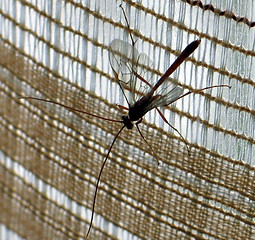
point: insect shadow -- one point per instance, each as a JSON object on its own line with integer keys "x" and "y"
{"x": 129, "y": 68}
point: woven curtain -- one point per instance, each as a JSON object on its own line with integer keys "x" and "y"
{"x": 50, "y": 157}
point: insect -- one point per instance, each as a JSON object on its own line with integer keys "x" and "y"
{"x": 128, "y": 68}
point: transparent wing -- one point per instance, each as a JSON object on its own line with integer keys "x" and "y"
{"x": 130, "y": 69}
{"x": 166, "y": 95}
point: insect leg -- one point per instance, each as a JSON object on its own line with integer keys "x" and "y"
{"x": 197, "y": 91}
{"x": 143, "y": 80}
{"x": 132, "y": 39}
{"x": 155, "y": 155}
{"x": 165, "y": 120}
{"x": 122, "y": 107}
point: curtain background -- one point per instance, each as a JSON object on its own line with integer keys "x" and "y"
{"x": 50, "y": 157}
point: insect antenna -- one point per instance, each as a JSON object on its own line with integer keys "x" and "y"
{"x": 108, "y": 153}
{"x": 72, "y": 109}
{"x": 98, "y": 180}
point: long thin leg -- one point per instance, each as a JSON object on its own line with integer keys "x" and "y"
{"x": 143, "y": 80}
{"x": 98, "y": 180}
{"x": 133, "y": 44}
{"x": 122, "y": 107}
{"x": 198, "y": 90}
{"x": 132, "y": 39}
{"x": 165, "y": 120}
{"x": 192, "y": 91}
{"x": 155, "y": 155}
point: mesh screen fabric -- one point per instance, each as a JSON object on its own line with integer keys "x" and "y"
{"x": 50, "y": 157}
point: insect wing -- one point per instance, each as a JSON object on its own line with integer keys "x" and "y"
{"x": 165, "y": 95}
{"x": 130, "y": 69}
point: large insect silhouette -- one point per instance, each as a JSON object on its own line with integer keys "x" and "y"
{"x": 141, "y": 93}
